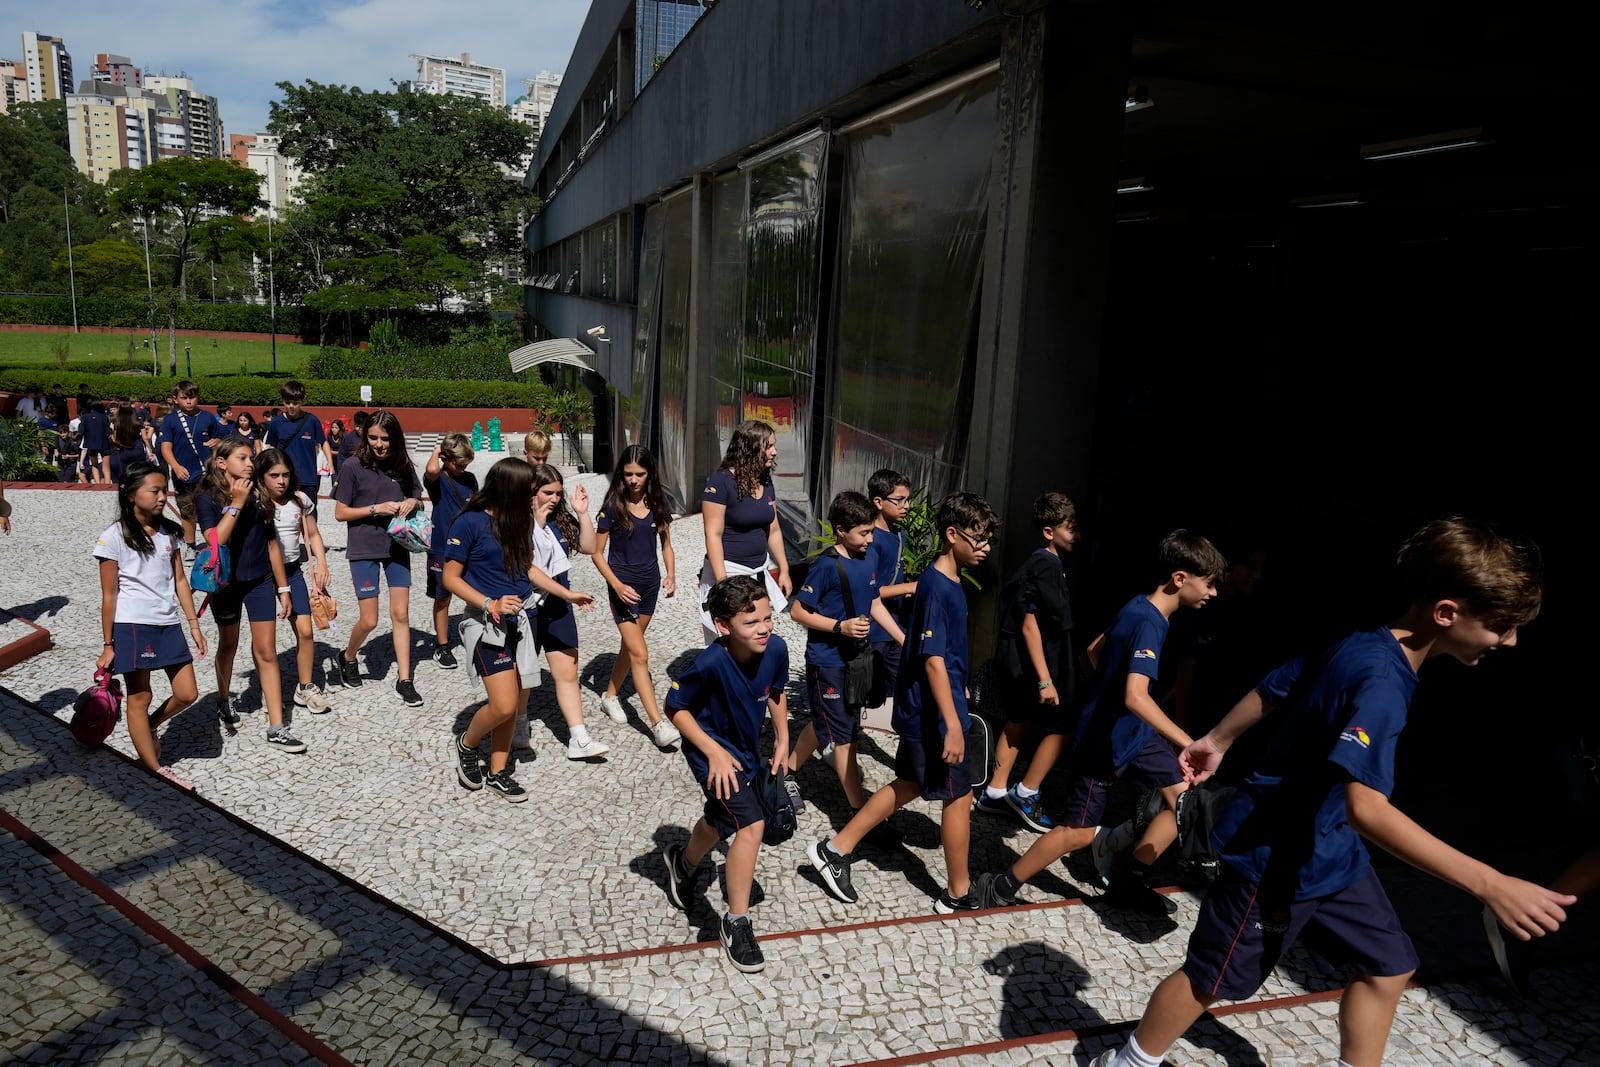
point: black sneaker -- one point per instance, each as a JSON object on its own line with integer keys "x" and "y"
{"x": 948, "y": 905}
{"x": 986, "y": 888}
{"x": 835, "y": 871}
{"x": 1131, "y": 894}
{"x": 506, "y": 786}
{"x": 469, "y": 765}
{"x": 680, "y": 882}
{"x": 349, "y": 673}
{"x": 792, "y": 787}
{"x": 739, "y": 941}
{"x": 280, "y": 738}
{"x": 408, "y": 693}
{"x": 225, "y": 713}
{"x": 444, "y": 658}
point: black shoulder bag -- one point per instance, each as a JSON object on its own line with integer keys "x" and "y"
{"x": 858, "y": 663}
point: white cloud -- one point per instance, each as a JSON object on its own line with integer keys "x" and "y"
{"x": 238, "y": 51}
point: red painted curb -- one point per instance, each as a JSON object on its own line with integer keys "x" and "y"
{"x": 36, "y": 642}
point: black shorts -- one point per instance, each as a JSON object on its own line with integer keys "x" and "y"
{"x": 834, "y": 721}
{"x": 923, "y": 762}
{"x": 1155, "y": 767}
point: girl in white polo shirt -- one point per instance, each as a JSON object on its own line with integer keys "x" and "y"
{"x": 142, "y": 588}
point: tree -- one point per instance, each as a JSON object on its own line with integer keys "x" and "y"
{"x": 399, "y": 178}
{"x": 186, "y": 194}
{"x": 104, "y": 265}
{"x": 38, "y": 180}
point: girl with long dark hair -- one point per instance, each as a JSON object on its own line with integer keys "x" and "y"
{"x": 741, "y": 520}
{"x": 294, "y": 521}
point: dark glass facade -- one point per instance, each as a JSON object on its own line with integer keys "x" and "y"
{"x": 658, "y": 27}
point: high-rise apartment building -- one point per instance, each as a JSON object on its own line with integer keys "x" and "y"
{"x": 199, "y": 112}
{"x": 114, "y": 126}
{"x": 534, "y": 108}
{"x": 116, "y": 70}
{"x": 48, "y": 66}
{"x": 13, "y": 84}
{"x": 460, "y": 76}
{"x": 280, "y": 174}
{"x": 658, "y": 27}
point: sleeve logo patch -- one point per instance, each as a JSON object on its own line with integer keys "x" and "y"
{"x": 1358, "y": 735}
{"x": 1144, "y": 653}
{"x": 454, "y": 541}
{"x": 711, "y": 489}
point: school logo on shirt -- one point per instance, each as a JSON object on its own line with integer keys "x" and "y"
{"x": 674, "y": 685}
{"x": 101, "y": 542}
{"x": 711, "y": 489}
{"x": 454, "y": 541}
{"x": 1144, "y": 653}
{"x": 927, "y": 634}
{"x": 1358, "y": 735}
{"x": 807, "y": 589}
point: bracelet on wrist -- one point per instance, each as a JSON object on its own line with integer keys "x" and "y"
{"x": 283, "y": 589}
{"x": 107, "y": 644}
{"x": 486, "y": 602}
{"x": 1046, "y": 684}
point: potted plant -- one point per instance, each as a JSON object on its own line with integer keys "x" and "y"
{"x": 567, "y": 415}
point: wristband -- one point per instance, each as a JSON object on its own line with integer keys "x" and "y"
{"x": 107, "y": 644}
{"x": 230, "y": 510}
{"x": 283, "y": 589}
{"x": 486, "y": 602}
{"x": 373, "y": 510}
{"x": 837, "y": 624}
{"x": 1046, "y": 684}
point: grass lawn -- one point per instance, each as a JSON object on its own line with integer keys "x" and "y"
{"x": 31, "y": 349}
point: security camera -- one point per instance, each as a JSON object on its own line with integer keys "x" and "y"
{"x": 596, "y": 331}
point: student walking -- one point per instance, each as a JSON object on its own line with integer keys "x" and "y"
{"x": 488, "y": 557}
{"x": 227, "y": 503}
{"x": 187, "y": 434}
{"x": 378, "y": 483}
{"x": 299, "y": 434}
{"x": 741, "y": 520}
{"x": 557, "y": 533}
{"x": 891, "y": 497}
{"x": 450, "y": 485}
{"x": 930, "y": 714}
{"x": 633, "y": 517}
{"x": 1291, "y": 842}
{"x": 145, "y": 606}
{"x": 719, "y": 705}
{"x": 295, "y": 525}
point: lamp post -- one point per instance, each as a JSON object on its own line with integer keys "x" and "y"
{"x": 150, "y": 289}
{"x": 72, "y": 278}
{"x": 213, "y": 283}
{"x": 188, "y": 367}
{"x": 272, "y": 295}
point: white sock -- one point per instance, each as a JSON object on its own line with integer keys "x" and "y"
{"x": 1343, "y": 1064}
{"x": 1134, "y": 1056}
{"x": 580, "y": 734}
{"x": 994, "y": 794}
{"x": 1024, "y": 792}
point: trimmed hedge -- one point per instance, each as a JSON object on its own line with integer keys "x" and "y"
{"x": 255, "y": 391}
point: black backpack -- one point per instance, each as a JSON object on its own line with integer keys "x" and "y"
{"x": 1199, "y": 808}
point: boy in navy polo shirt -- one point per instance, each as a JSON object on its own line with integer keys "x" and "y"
{"x": 300, "y": 435}
{"x": 1122, "y": 733}
{"x": 930, "y": 713}
{"x": 1294, "y": 865}
{"x": 1035, "y": 663}
{"x": 891, "y": 496}
{"x": 187, "y": 434}
{"x": 718, "y": 705}
{"x": 836, "y": 634}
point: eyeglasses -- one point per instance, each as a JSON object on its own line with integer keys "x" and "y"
{"x": 898, "y": 501}
{"x": 975, "y": 542}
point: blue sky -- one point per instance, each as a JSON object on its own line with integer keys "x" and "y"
{"x": 239, "y": 50}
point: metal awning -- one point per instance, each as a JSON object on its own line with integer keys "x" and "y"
{"x": 568, "y": 350}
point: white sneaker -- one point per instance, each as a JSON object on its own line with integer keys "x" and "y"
{"x": 614, "y": 709}
{"x": 519, "y": 732}
{"x": 587, "y": 749}
{"x": 312, "y": 699}
{"x": 667, "y": 734}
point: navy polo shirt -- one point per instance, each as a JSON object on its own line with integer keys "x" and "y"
{"x": 188, "y": 434}
{"x": 938, "y": 628}
{"x": 472, "y": 542}
{"x": 300, "y": 439}
{"x": 887, "y": 554}
{"x": 1109, "y": 735}
{"x": 747, "y": 521}
{"x": 448, "y": 495}
{"x": 247, "y": 548}
{"x": 822, "y": 594}
{"x": 630, "y": 550}
{"x": 1341, "y": 713}
{"x": 729, "y": 701}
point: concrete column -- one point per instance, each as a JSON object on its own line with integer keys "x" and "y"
{"x": 1063, "y": 83}
{"x": 700, "y": 434}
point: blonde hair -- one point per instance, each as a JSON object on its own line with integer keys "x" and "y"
{"x": 537, "y": 443}
{"x": 456, "y": 448}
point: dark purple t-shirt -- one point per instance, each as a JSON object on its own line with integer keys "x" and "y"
{"x": 747, "y": 521}
{"x": 360, "y": 486}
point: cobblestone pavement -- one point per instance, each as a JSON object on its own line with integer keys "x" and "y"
{"x": 354, "y": 902}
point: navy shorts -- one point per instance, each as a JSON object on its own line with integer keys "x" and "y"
{"x": 435, "y": 589}
{"x": 555, "y": 627}
{"x": 923, "y": 762}
{"x": 833, "y": 720}
{"x": 488, "y": 660}
{"x": 299, "y": 592}
{"x": 141, "y": 646}
{"x": 1241, "y": 934}
{"x": 1155, "y": 767}
{"x": 648, "y": 590}
{"x": 729, "y": 816}
{"x": 257, "y": 597}
{"x": 365, "y": 572}
{"x": 887, "y": 664}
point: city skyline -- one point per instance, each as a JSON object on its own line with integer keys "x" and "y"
{"x": 240, "y": 59}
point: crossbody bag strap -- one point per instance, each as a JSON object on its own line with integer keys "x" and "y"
{"x": 844, "y": 587}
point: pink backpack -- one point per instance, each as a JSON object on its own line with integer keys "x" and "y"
{"x": 97, "y": 709}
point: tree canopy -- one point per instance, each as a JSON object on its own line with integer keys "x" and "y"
{"x": 39, "y": 189}
{"x": 192, "y": 200}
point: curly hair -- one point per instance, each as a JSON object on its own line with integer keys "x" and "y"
{"x": 215, "y": 481}
{"x": 746, "y": 456}
{"x": 544, "y": 474}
